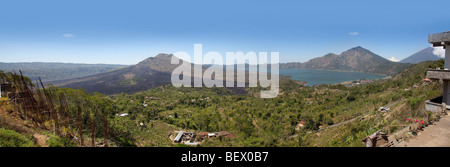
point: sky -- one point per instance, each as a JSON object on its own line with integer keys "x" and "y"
{"x": 127, "y": 32}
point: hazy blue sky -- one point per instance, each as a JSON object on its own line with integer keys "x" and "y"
{"x": 126, "y": 32}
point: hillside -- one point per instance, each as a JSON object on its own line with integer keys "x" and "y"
{"x": 149, "y": 73}
{"x": 342, "y": 116}
{"x": 334, "y": 115}
{"x": 357, "y": 59}
{"x": 57, "y": 71}
{"x": 422, "y": 55}
{"x": 160, "y": 62}
{"x": 290, "y": 65}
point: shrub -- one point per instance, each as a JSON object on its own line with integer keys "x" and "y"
{"x": 56, "y": 141}
{"x": 414, "y": 102}
{"x": 10, "y": 138}
{"x": 330, "y": 121}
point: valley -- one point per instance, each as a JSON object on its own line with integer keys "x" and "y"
{"x": 148, "y": 116}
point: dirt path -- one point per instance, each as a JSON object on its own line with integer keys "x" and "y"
{"x": 437, "y": 135}
{"x": 41, "y": 140}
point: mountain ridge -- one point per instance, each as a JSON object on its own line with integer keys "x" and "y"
{"x": 148, "y": 73}
{"x": 356, "y": 59}
{"x": 53, "y": 71}
{"x": 421, "y": 56}
{"x": 156, "y": 71}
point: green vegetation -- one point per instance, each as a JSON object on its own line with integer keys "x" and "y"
{"x": 67, "y": 113}
{"x": 147, "y": 118}
{"x": 11, "y": 138}
{"x": 57, "y": 141}
{"x": 271, "y": 122}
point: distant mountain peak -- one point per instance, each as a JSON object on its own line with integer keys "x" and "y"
{"x": 357, "y": 59}
{"x": 329, "y": 54}
{"x": 160, "y": 56}
{"x": 422, "y": 55}
{"x": 362, "y": 54}
{"x": 360, "y": 49}
{"x": 149, "y": 73}
{"x": 160, "y": 62}
{"x": 164, "y": 55}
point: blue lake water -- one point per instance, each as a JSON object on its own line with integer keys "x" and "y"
{"x": 315, "y": 77}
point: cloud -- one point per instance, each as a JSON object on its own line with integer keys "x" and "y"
{"x": 353, "y": 33}
{"x": 68, "y": 35}
{"x": 393, "y": 59}
{"x": 439, "y": 51}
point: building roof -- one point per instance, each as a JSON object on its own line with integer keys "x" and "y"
{"x": 180, "y": 134}
{"x": 439, "y": 39}
{"x": 203, "y": 134}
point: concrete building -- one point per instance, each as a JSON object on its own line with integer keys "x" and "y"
{"x": 443, "y": 75}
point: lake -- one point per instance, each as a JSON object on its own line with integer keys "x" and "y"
{"x": 315, "y": 77}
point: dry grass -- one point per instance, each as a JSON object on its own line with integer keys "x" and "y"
{"x": 12, "y": 123}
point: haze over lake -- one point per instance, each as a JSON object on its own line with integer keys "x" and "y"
{"x": 315, "y": 77}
